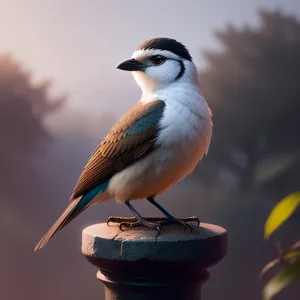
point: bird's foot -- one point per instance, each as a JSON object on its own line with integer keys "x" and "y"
{"x": 182, "y": 222}
{"x": 118, "y": 220}
{"x": 190, "y": 219}
{"x": 115, "y": 219}
{"x": 152, "y": 222}
{"x": 130, "y": 222}
{"x": 145, "y": 223}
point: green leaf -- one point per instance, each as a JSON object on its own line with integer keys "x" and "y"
{"x": 281, "y": 212}
{"x": 287, "y": 275}
{"x": 292, "y": 255}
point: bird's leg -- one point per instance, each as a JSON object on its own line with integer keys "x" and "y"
{"x": 137, "y": 220}
{"x": 155, "y": 222}
{"x": 173, "y": 220}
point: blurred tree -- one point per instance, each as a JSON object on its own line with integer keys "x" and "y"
{"x": 253, "y": 88}
{"x": 23, "y": 108}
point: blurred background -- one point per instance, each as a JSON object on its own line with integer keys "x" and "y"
{"x": 60, "y": 93}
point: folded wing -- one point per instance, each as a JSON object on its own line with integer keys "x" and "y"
{"x": 130, "y": 139}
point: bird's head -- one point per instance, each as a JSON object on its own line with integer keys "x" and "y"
{"x": 159, "y": 63}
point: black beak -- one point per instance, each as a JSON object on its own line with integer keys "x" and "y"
{"x": 132, "y": 65}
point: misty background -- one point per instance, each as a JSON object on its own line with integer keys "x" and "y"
{"x": 60, "y": 93}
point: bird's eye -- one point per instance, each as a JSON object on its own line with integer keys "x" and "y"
{"x": 158, "y": 59}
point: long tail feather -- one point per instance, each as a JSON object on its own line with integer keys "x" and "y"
{"x": 58, "y": 225}
{"x": 74, "y": 209}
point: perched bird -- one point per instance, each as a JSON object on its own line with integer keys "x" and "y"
{"x": 157, "y": 143}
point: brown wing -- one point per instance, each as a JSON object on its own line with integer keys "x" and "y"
{"x": 132, "y": 137}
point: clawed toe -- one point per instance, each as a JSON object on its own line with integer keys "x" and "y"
{"x": 180, "y": 222}
{"x": 191, "y": 219}
{"x": 124, "y": 225}
{"x": 158, "y": 229}
{"x": 188, "y": 226}
{"x": 119, "y": 220}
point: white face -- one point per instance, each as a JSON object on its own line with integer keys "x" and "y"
{"x": 164, "y": 68}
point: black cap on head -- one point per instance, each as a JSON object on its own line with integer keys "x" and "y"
{"x": 167, "y": 44}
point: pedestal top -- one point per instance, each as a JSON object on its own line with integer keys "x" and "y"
{"x": 206, "y": 243}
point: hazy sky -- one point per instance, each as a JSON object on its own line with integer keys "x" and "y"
{"x": 79, "y": 43}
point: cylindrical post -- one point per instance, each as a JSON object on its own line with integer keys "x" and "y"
{"x": 135, "y": 265}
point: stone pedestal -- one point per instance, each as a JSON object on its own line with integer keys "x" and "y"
{"x": 135, "y": 265}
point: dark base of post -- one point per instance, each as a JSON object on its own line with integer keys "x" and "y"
{"x": 150, "y": 290}
{"x": 146, "y": 280}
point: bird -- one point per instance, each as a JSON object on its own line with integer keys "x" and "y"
{"x": 156, "y": 144}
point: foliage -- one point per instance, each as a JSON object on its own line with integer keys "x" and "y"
{"x": 288, "y": 274}
{"x": 281, "y": 212}
{"x": 23, "y": 108}
{"x": 290, "y": 260}
{"x": 252, "y": 86}
{"x": 23, "y": 105}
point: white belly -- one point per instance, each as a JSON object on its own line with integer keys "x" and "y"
{"x": 156, "y": 173}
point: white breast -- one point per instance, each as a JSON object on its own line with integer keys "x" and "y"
{"x": 184, "y": 139}
{"x": 186, "y": 119}
{"x": 186, "y": 126}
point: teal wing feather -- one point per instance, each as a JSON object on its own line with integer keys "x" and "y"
{"x": 130, "y": 139}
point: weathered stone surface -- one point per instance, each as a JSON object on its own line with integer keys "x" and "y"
{"x": 206, "y": 243}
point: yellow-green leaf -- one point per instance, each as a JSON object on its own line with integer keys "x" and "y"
{"x": 287, "y": 275}
{"x": 293, "y": 255}
{"x": 281, "y": 212}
